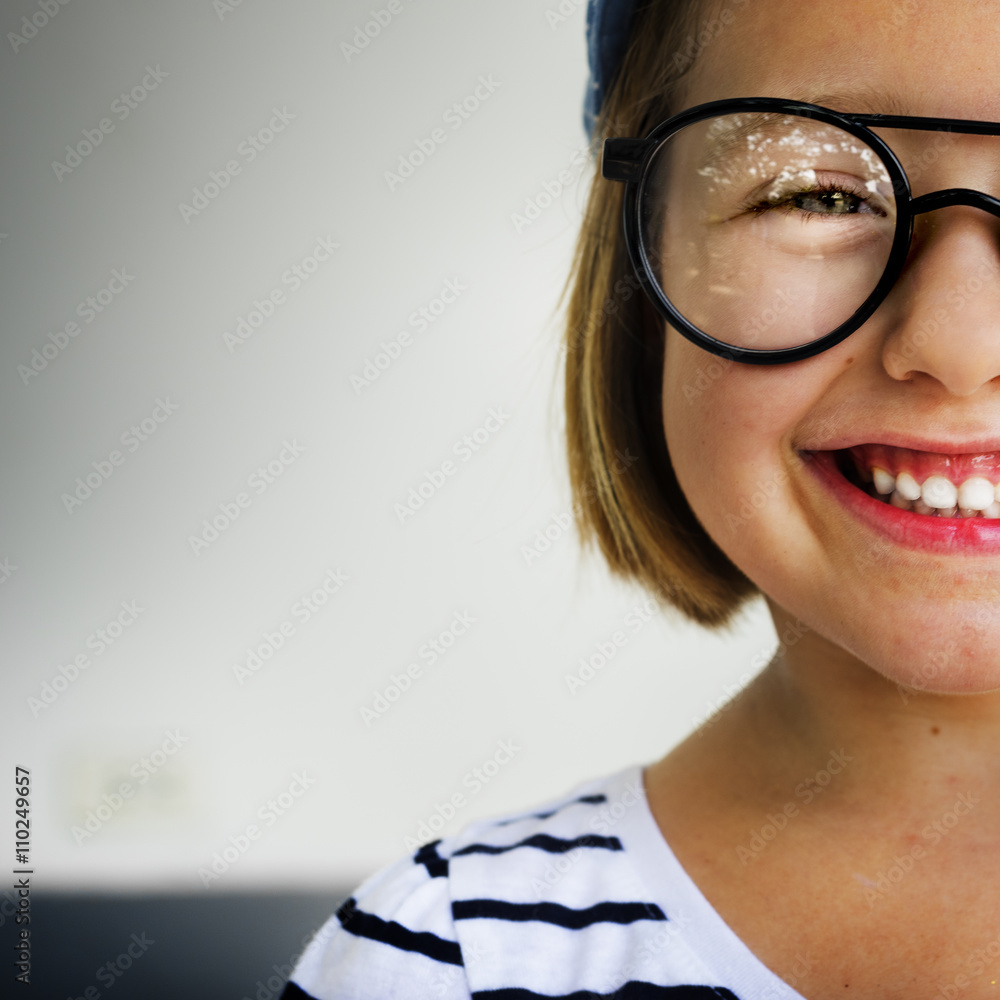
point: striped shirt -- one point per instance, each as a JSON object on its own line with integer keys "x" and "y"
{"x": 578, "y": 899}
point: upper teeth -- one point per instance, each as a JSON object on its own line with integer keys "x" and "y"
{"x": 976, "y": 493}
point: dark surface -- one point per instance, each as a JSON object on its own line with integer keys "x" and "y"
{"x": 191, "y": 947}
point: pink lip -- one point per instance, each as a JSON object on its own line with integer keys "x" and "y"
{"x": 966, "y": 444}
{"x": 917, "y": 531}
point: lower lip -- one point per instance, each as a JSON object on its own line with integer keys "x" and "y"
{"x": 917, "y": 531}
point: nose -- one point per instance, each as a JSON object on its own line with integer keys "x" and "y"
{"x": 945, "y": 309}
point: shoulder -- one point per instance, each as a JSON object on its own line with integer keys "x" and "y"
{"x": 393, "y": 938}
{"x": 462, "y": 914}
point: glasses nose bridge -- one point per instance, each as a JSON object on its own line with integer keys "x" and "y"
{"x": 950, "y": 197}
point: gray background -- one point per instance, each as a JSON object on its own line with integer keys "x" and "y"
{"x": 169, "y": 677}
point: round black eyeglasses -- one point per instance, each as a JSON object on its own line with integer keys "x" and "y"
{"x": 767, "y": 231}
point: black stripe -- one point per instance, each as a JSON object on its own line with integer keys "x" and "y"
{"x": 591, "y": 800}
{"x": 544, "y": 842}
{"x": 367, "y": 925}
{"x": 554, "y": 913}
{"x": 428, "y": 856}
{"x": 293, "y": 991}
{"x": 627, "y": 991}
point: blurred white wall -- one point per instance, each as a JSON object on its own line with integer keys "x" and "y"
{"x": 277, "y": 137}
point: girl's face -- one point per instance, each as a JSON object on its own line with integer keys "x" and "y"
{"x": 914, "y": 596}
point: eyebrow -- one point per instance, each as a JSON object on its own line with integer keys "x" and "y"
{"x": 860, "y": 101}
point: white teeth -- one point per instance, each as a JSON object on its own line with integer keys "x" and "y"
{"x": 939, "y": 492}
{"x": 977, "y": 493}
{"x": 907, "y": 486}
{"x": 884, "y": 483}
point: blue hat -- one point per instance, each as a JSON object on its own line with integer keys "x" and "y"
{"x": 608, "y": 25}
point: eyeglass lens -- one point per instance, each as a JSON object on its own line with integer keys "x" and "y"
{"x": 767, "y": 230}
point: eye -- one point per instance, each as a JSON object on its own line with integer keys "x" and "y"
{"x": 828, "y": 202}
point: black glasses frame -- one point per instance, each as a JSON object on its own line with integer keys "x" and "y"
{"x": 628, "y": 160}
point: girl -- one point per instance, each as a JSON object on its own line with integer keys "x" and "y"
{"x": 810, "y": 386}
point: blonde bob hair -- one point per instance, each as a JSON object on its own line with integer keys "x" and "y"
{"x": 626, "y": 496}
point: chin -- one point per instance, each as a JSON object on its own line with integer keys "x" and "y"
{"x": 929, "y": 646}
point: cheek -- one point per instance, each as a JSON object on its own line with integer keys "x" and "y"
{"x": 728, "y": 428}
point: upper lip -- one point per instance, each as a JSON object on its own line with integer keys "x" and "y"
{"x": 965, "y": 445}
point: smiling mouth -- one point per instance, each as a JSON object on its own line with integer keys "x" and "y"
{"x": 934, "y": 485}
